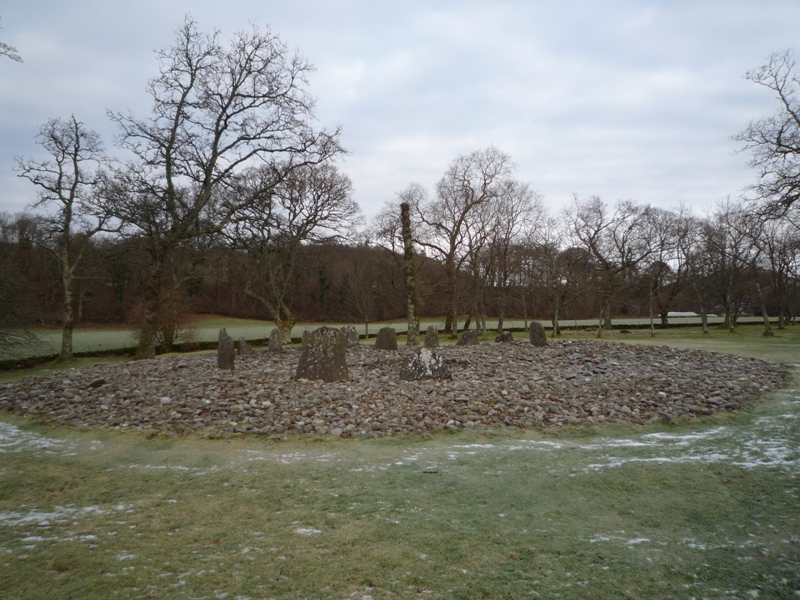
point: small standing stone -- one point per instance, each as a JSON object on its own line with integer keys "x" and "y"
{"x": 538, "y": 337}
{"x": 505, "y": 336}
{"x": 432, "y": 337}
{"x": 323, "y": 355}
{"x": 225, "y": 351}
{"x": 425, "y": 364}
{"x": 387, "y": 339}
{"x": 276, "y": 340}
{"x": 242, "y": 347}
{"x": 351, "y": 333}
{"x": 469, "y": 338}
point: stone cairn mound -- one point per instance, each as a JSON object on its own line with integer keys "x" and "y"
{"x": 225, "y": 351}
{"x": 509, "y": 385}
{"x": 431, "y": 337}
{"x": 424, "y": 363}
{"x": 538, "y": 337}
{"x": 323, "y": 356}
{"x": 387, "y": 339}
{"x": 469, "y": 338}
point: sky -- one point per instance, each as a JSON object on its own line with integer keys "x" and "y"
{"x": 623, "y": 99}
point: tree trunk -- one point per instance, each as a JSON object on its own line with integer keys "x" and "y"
{"x": 556, "y": 314}
{"x": 652, "y": 324}
{"x": 451, "y": 324}
{"x": 412, "y": 294}
{"x": 763, "y": 304}
{"x": 148, "y": 329}
{"x": 67, "y": 322}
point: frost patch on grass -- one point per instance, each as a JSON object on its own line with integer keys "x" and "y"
{"x": 307, "y": 531}
{"x": 13, "y": 439}
{"x": 40, "y": 518}
{"x": 635, "y": 541}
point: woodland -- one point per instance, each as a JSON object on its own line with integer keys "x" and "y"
{"x": 228, "y": 199}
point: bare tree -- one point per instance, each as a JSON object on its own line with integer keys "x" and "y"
{"x": 666, "y": 266}
{"x": 470, "y": 181}
{"x": 774, "y": 141}
{"x": 517, "y": 213}
{"x": 617, "y": 241}
{"x": 67, "y": 191}
{"x": 9, "y": 51}
{"x": 729, "y": 248}
{"x": 312, "y": 204}
{"x": 217, "y": 112}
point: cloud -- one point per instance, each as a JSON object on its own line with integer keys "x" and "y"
{"x": 625, "y": 99}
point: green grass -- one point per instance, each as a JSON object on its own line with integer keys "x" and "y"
{"x": 709, "y": 509}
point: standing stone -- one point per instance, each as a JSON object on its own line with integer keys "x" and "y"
{"x": 425, "y": 364}
{"x": 351, "y": 334}
{"x": 225, "y": 351}
{"x": 469, "y": 338}
{"x": 323, "y": 355}
{"x": 243, "y": 348}
{"x": 538, "y": 338}
{"x": 505, "y": 336}
{"x": 275, "y": 340}
{"x": 432, "y": 337}
{"x": 387, "y": 339}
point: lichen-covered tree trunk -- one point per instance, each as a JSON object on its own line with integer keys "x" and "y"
{"x": 68, "y": 320}
{"x": 451, "y": 323}
{"x": 151, "y": 307}
{"x": 412, "y": 293}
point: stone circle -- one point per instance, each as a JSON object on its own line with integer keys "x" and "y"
{"x": 516, "y": 385}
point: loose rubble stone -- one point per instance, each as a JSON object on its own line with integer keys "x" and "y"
{"x": 469, "y": 338}
{"x": 387, "y": 339}
{"x": 431, "y": 337}
{"x": 425, "y": 364}
{"x": 351, "y": 333}
{"x": 513, "y": 385}
{"x": 225, "y": 351}
{"x": 538, "y": 337}
{"x": 323, "y": 355}
{"x": 505, "y": 336}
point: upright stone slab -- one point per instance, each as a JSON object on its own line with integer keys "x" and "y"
{"x": 225, "y": 351}
{"x": 387, "y": 339}
{"x": 242, "y": 347}
{"x": 431, "y": 337}
{"x": 275, "y": 340}
{"x": 323, "y": 355}
{"x": 351, "y": 333}
{"x": 425, "y": 364}
{"x": 469, "y": 338}
{"x": 505, "y": 336}
{"x": 538, "y": 337}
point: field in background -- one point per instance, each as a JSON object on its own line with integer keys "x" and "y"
{"x": 705, "y": 509}
{"x": 206, "y": 329}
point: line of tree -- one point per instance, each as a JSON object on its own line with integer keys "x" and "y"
{"x": 231, "y": 201}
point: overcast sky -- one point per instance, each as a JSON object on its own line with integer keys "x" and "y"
{"x": 625, "y": 99}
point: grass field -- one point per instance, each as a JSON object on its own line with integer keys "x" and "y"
{"x": 709, "y": 509}
{"x": 205, "y": 328}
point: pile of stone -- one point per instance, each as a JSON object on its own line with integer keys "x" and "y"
{"x": 511, "y": 384}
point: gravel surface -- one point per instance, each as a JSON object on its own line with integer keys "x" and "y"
{"x": 494, "y": 384}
